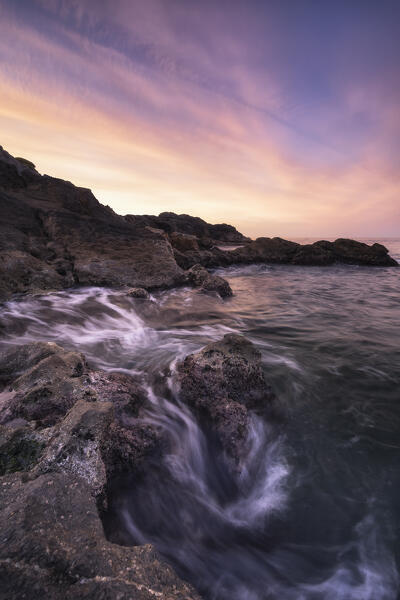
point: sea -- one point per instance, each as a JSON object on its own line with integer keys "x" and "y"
{"x": 314, "y": 512}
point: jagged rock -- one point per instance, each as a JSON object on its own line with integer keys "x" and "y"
{"x": 46, "y": 390}
{"x": 53, "y": 546}
{"x": 69, "y": 444}
{"x": 20, "y": 449}
{"x": 322, "y": 253}
{"x": 221, "y": 383}
{"x": 54, "y": 235}
{"x": 86, "y": 420}
{"x": 206, "y": 282}
{"x": 194, "y": 226}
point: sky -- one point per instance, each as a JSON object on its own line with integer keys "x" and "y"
{"x": 281, "y": 117}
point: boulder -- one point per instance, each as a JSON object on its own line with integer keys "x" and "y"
{"x": 206, "y": 282}
{"x": 221, "y": 383}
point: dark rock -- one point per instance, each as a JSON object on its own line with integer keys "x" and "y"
{"x": 70, "y": 444}
{"x": 273, "y": 250}
{"x": 138, "y": 293}
{"x": 194, "y": 226}
{"x": 53, "y": 546}
{"x": 184, "y": 242}
{"x": 221, "y": 383}
{"x": 54, "y": 235}
{"x": 280, "y": 251}
{"x": 206, "y": 282}
{"x": 85, "y": 420}
{"x": 20, "y": 449}
{"x": 350, "y": 251}
{"x": 26, "y": 163}
{"x": 48, "y": 388}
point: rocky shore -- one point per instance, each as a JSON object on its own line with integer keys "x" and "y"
{"x": 67, "y": 430}
{"x": 54, "y": 235}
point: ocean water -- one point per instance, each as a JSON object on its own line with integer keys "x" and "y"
{"x": 315, "y": 512}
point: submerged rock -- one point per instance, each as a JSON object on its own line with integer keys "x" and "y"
{"x": 206, "y": 282}
{"x": 222, "y": 383}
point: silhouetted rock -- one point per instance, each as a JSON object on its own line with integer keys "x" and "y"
{"x": 54, "y": 235}
{"x": 206, "y": 282}
{"x": 221, "y": 383}
{"x": 186, "y": 224}
{"x": 279, "y": 251}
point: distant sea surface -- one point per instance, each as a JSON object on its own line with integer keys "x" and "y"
{"x": 315, "y": 514}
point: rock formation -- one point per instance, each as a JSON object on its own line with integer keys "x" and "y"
{"x": 202, "y": 279}
{"x": 221, "y": 383}
{"x": 65, "y": 431}
{"x": 54, "y": 235}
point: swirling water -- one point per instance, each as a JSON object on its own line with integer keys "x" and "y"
{"x": 314, "y": 513}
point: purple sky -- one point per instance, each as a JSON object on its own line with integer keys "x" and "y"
{"x": 281, "y": 117}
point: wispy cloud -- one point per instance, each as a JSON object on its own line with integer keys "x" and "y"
{"x": 176, "y": 106}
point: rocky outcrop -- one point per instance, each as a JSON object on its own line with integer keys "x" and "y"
{"x": 67, "y": 430}
{"x": 54, "y": 235}
{"x": 193, "y": 226}
{"x": 280, "y": 251}
{"x": 221, "y": 383}
{"x": 85, "y": 419}
{"x": 200, "y": 278}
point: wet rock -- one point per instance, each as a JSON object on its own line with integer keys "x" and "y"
{"x": 222, "y": 383}
{"x": 85, "y": 420}
{"x": 47, "y": 388}
{"x": 20, "y": 449}
{"x": 69, "y": 445}
{"x": 138, "y": 293}
{"x": 206, "y": 282}
{"x": 43, "y": 382}
{"x": 53, "y": 546}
